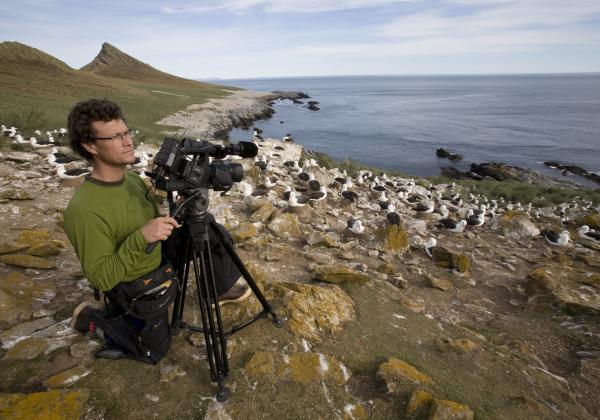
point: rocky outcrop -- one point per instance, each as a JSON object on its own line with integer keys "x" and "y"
{"x": 443, "y": 153}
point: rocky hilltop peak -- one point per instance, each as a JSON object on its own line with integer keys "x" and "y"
{"x": 14, "y": 52}
{"x": 110, "y": 58}
{"x": 113, "y": 62}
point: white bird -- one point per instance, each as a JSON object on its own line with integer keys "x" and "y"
{"x": 355, "y": 226}
{"x": 429, "y": 245}
{"x": 556, "y": 239}
{"x": 72, "y": 173}
{"x": 453, "y": 226}
{"x": 586, "y": 233}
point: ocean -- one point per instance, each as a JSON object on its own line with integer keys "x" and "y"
{"x": 398, "y": 122}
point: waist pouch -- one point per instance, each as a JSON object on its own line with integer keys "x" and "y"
{"x": 148, "y": 296}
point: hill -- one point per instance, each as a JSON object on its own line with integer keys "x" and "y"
{"x": 39, "y": 89}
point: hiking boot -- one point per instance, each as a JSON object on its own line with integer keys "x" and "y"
{"x": 236, "y": 294}
{"x": 82, "y": 317}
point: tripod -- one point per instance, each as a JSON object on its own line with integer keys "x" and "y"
{"x": 196, "y": 251}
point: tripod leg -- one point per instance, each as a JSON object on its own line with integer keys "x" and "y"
{"x": 240, "y": 265}
{"x": 183, "y": 271}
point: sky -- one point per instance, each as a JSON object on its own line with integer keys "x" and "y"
{"x": 284, "y": 38}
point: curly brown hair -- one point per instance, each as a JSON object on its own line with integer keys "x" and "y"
{"x": 81, "y": 118}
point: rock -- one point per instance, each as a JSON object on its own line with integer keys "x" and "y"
{"x": 12, "y": 309}
{"x": 395, "y": 372}
{"x": 28, "y": 349}
{"x": 53, "y": 404}
{"x": 168, "y": 373}
{"x": 284, "y": 224}
{"x": 339, "y": 274}
{"x": 8, "y": 248}
{"x": 21, "y": 157}
{"x": 396, "y": 240}
{"x": 441, "y": 284}
{"x": 67, "y": 377}
{"x": 321, "y": 239}
{"x": 448, "y": 259}
{"x": 443, "y": 153}
{"x": 386, "y": 268}
{"x": 33, "y": 236}
{"x": 261, "y": 363}
{"x": 417, "y": 305}
{"x": 315, "y": 310}
{"x": 45, "y": 249}
{"x": 11, "y": 337}
{"x": 84, "y": 349}
{"x": 562, "y": 286}
{"x": 14, "y": 194}
{"x": 517, "y": 224}
{"x": 322, "y": 259}
{"x": 450, "y": 410}
{"x": 263, "y": 214}
{"x": 355, "y": 412}
{"x": 461, "y": 345}
{"x": 308, "y": 367}
{"x": 27, "y": 261}
{"x": 417, "y": 225}
{"x": 419, "y": 403}
{"x": 243, "y": 232}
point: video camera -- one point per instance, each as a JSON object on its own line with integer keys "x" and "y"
{"x": 184, "y": 165}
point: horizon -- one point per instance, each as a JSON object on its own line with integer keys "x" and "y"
{"x": 239, "y": 39}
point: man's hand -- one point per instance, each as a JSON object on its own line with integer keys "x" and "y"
{"x": 158, "y": 229}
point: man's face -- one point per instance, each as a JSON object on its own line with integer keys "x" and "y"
{"x": 109, "y": 147}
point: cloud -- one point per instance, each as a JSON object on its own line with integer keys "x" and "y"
{"x": 280, "y": 6}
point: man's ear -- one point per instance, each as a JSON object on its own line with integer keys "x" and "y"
{"x": 90, "y": 147}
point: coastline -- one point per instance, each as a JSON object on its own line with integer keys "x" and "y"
{"x": 216, "y": 118}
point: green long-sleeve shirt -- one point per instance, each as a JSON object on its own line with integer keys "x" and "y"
{"x": 103, "y": 221}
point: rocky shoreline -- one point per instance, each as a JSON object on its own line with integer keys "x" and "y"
{"x": 215, "y": 118}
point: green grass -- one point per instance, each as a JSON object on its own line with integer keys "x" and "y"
{"x": 515, "y": 191}
{"x": 38, "y": 91}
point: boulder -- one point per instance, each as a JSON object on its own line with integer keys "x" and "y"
{"x": 11, "y": 337}
{"x": 14, "y": 194}
{"x": 517, "y": 224}
{"x": 396, "y": 373}
{"x": 244, "y": 231}
{"x": 284, "y": 224}
{"x": 263, "y": 214}
{"x": 27, "y": 349}
{"x": 448, "y": 259}
{"x": 460, "y": 345}
{"x": 419, "y": 403}
{"x": 21, "y": 157}
{"x": 67, "y": 377}
{"x": 53, "y": 404}
{"x": 339, "y": 274}
{"x": 450, "y": 410}
{"x": 314, "y": 311}
{"x": 564, "y": 287}
{"x": 441, "y": 284}
{"x": 10, "y": 247}
{"x": 308, "y": 367}
{"x": 28, "y": 261}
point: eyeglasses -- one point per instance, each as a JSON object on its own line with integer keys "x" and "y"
{"x": 121, "y": 136}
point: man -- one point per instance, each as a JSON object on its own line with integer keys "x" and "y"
{"x": 110, "y": 220}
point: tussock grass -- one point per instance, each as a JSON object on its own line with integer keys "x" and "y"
{"x": 515, "y": 191}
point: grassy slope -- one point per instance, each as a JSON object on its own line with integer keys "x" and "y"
{"x": 38, "y": 91}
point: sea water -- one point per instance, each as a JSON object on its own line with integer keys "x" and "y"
{"x": 398, "y": 122}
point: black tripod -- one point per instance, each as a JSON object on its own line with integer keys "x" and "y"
{"x": 196, "y": 249}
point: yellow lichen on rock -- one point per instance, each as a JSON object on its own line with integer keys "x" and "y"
{"x": 50, "y": 405}
{"x": 396, "y": 371}
{"x": 339, "y": 274}
{"x": 450, "y": 410}
{"x": 420, "y": 401}
{"x": 261, "y": 363}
